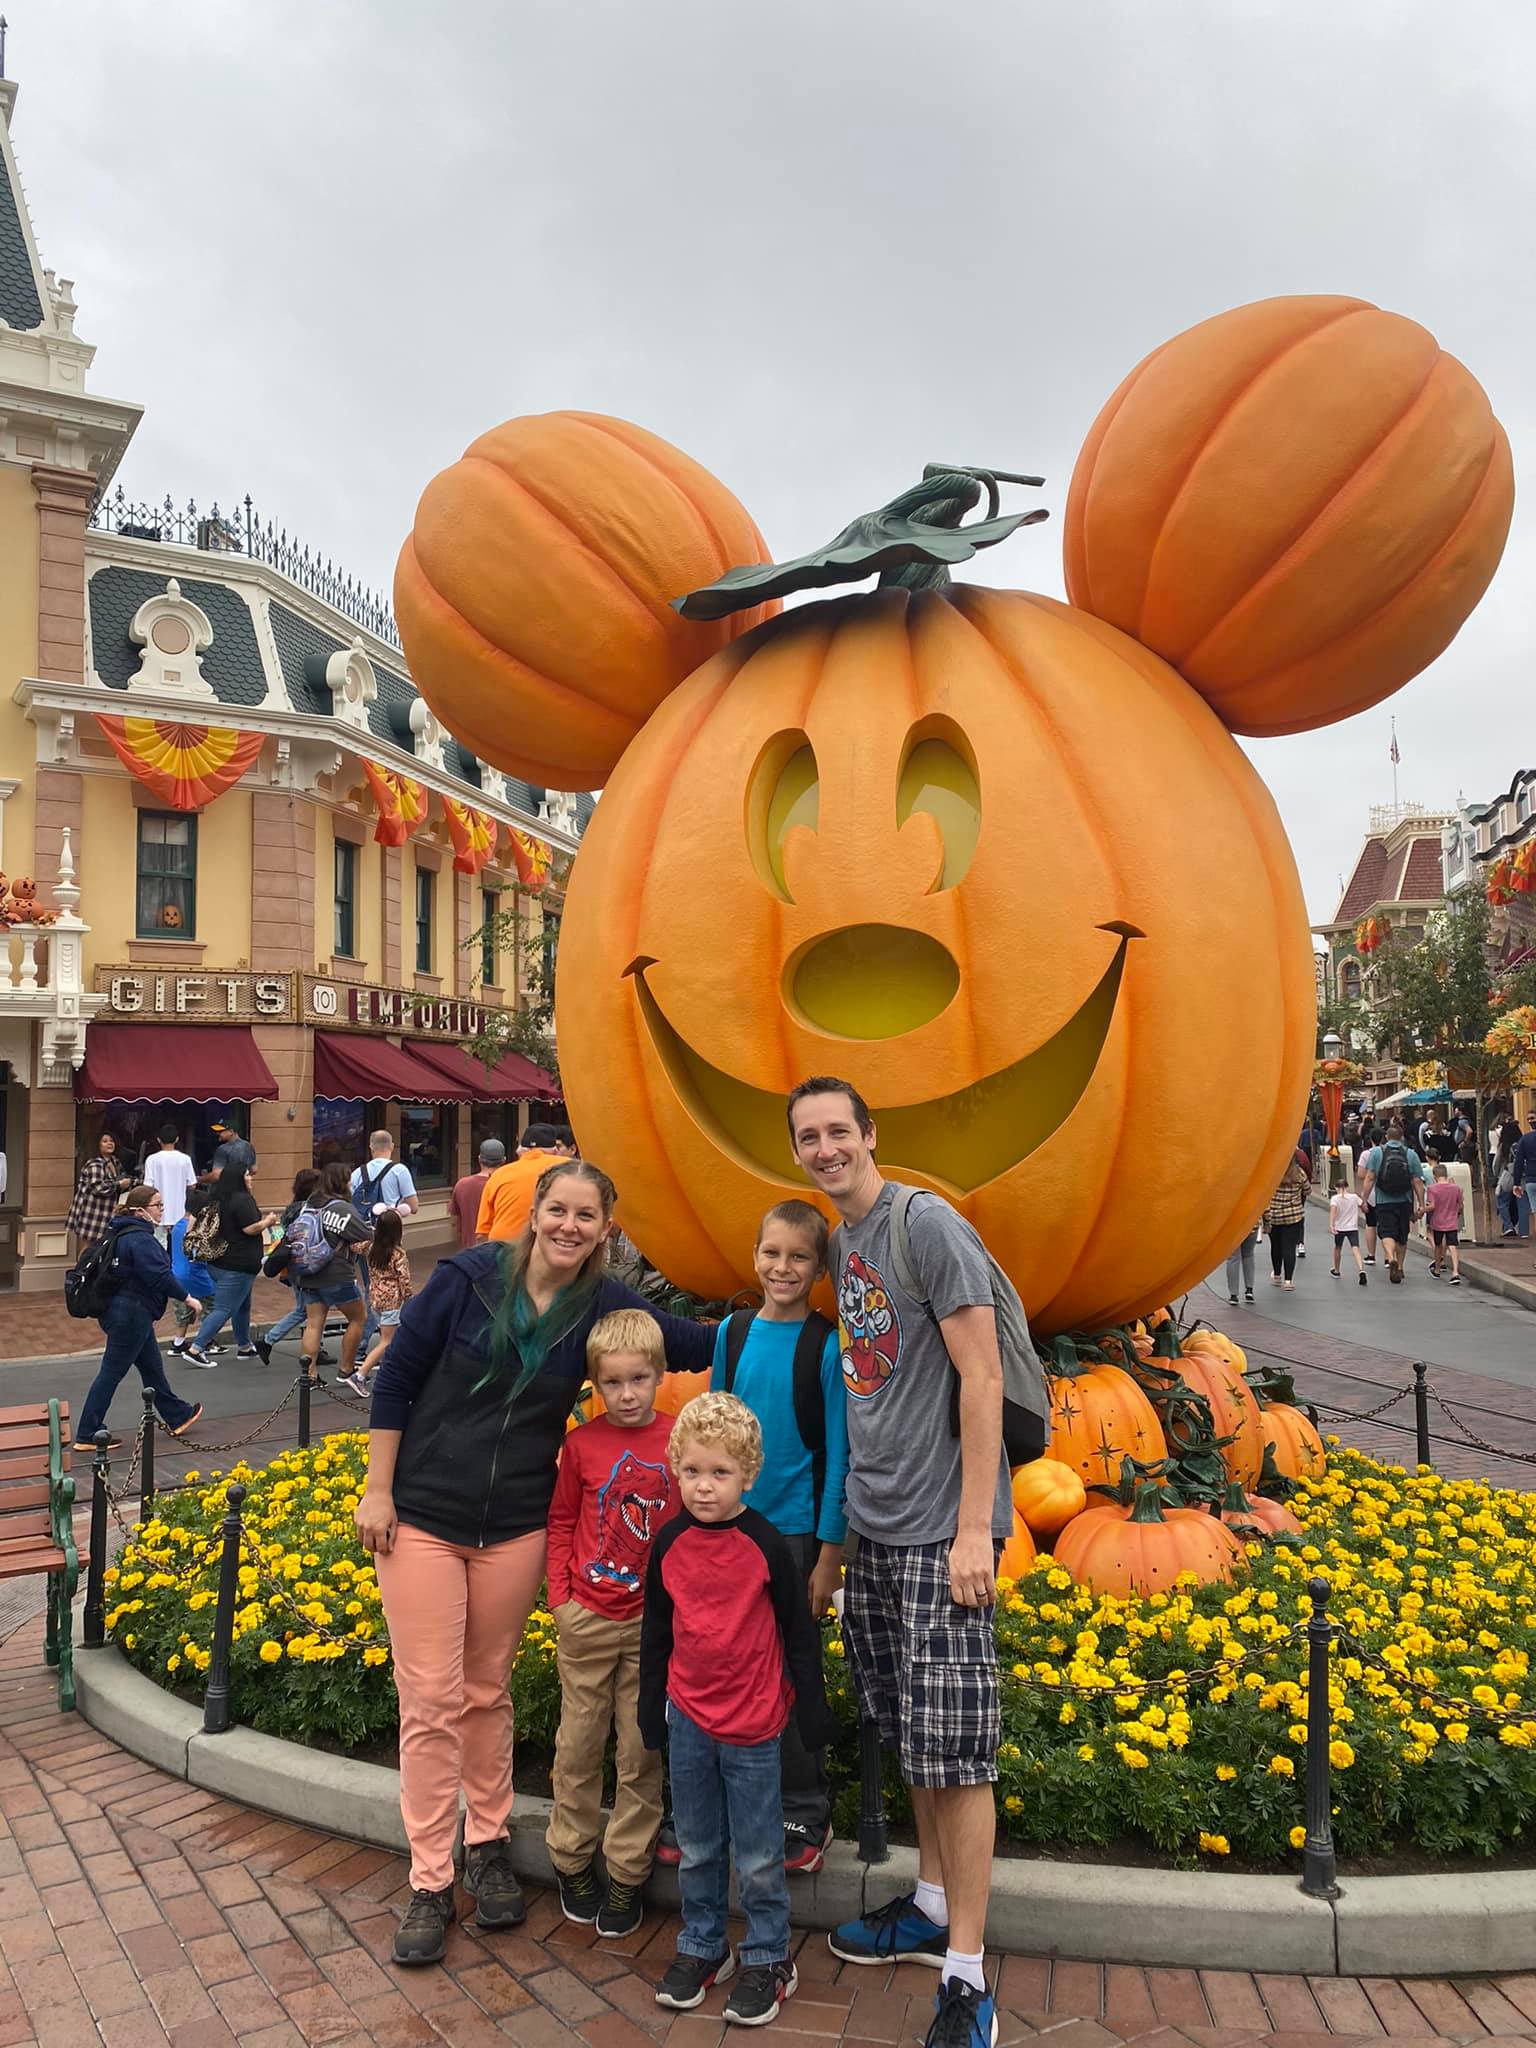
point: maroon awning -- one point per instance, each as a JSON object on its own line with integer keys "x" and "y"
{"x": 173, "y": 1063}
{"x": 512, "y": 1079}
{"x": 351, "y": 1065}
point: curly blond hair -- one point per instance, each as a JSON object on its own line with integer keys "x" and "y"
{"x": 720, "y": 1419}
{"x": 626, "y": 1329}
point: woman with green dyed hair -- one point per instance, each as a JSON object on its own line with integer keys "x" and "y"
{"x": 469, "y": 1411}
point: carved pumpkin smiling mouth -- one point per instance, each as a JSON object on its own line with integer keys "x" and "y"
{"x": 959, "y": 1141}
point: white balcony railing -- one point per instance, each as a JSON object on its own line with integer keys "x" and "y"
{"x": 42, "y": 974}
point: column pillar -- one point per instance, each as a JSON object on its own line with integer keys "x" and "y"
{"x": 63, "y": 505}
{"x": 464, "y": 922}
{"x": 389, "y": 912}
{"x": 283, "y": 941}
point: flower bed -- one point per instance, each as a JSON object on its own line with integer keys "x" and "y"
{"x": 1436, "y": 1578}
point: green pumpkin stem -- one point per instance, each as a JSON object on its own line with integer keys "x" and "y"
{"x": 1147, "y": 1506}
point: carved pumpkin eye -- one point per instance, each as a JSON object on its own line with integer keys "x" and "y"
{"x": 783, "y": 792}
{"x": 938, "y": 775}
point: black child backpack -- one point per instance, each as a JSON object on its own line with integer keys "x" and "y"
{"x": 810, "y": 1407}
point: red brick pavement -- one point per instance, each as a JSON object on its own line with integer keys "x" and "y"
{"x": 135, "y": 1911}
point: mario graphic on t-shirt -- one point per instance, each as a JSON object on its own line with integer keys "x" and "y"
{"x": 871, "y": 1331}
{"x": 630, "y": 1501}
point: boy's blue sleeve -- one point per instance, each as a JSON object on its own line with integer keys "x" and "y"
{"x": 832, "y": 1526}
{"x": 717, "y": 1364}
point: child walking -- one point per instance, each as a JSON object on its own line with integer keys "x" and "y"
{"x": 191, "y": 1274}
{"x": 784, "y": 1361}
{"x": 1442, "y": 1202}
{"x": 721, "y": 1574}
{"x": 389, "y": 1289}
{"x": 1344, "y": 1222}
{"x": 614, "y": 1492}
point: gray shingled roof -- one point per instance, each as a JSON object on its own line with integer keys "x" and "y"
{"x": 20, "y": 307}
{"x": 232, "y": 664}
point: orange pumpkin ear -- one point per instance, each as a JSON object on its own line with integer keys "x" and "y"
{"x": 1297, "y": 504}
{"x": 532, "y": 594}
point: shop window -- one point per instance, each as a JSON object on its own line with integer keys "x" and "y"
{"x": 341, "y": 1129}
{"x": 342, "y": 942}
{"x": 489, "y": 956}
{"x": 424, "y": 1142}
{"x": 1349, "y": 981}
{"x": 167, "y": 891}
{"x": 490, "y": 1120}
{"x": 425, "y": 879}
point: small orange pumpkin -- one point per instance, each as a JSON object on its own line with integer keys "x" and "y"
{"x": 1099, "y": 1418}
{"x": 1047, "y": 1494}
{"x": 532, "y": 594}
{"x": 677, "y": 1389}
{"x": 1297, "y": 1447}
{"x": 1252, "y": 1511}
{"x": 1143, "y": 1548}
{"x": 1018, "y": 1552}
{"x": 1296, "y": 503}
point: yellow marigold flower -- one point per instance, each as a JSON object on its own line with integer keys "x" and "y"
{"x": 375, "y": 1654}
{"x": 270, "y": 1653}
{"x": 1298, "y": 1835}
{"x": 1013, "y": 1804}
{"x": 1226, "y": 1773}
{"x": 1086, "y": 1752}
{"x": 1340, "y": 1755}
{"x": 1215, "y": 1845}
{"x": 1456, "y": 1731}
{"x": 1281, "y": 1767}
{"x": 173, "y": 1663}
{"x": 1298, "y": 1733}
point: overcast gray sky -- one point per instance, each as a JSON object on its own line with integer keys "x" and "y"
{"x": 815, "y": 242}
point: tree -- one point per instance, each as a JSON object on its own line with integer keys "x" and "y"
{"x": 529, "y": 1027}
{"x": 1348, "y": 1019}
{"x": 1438, "y": 1000}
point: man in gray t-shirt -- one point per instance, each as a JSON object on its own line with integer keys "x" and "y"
{"x": 926, "y": 1506}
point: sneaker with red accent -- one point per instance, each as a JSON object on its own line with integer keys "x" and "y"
{"x": 805, "y": 1848}
{"x": 759, "y": 1993}
{"x": 667, "y": 1850}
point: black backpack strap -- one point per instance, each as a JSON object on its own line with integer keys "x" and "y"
{"x": 736, "y": 1328}
{"x": 810, "y": 1404}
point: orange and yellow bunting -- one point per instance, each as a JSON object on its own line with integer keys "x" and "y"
{"x": 1372, "y": 933}
{"x": 1501, "y": 885}
{"x": 473, "y": 835}
{"x": 186, "y": 766}
{"x": 1522, "y": 874}
{"x": 530, "y": 857}
{"x": 402, "y": 804}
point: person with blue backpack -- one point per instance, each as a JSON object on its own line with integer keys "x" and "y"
{"x": 324, "y": 1242}
{"x": 125, "y": 1280}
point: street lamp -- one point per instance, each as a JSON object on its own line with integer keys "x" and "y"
{"x": 1331, "y": 1089}
{"x": 1333, "y": 1046}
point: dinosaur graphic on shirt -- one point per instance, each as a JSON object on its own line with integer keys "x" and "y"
{"x": 871, "y": 1330}
{"x": 630, "y": 1502}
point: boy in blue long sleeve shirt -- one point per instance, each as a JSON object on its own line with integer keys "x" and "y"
{"x": 790, "y": 1256}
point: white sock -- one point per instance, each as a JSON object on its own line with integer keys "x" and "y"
{"x": 967, "y": 1968}
{"x": 930, "y": 1899}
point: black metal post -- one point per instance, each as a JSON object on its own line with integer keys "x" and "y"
{"x": 1421, "y": 1408}
{"x": 95, "y": 1633}
{"x": 216, "y": 1699}
{"x": 305, "y": 1390}
{"x": 873, "y": 1844}
{"x": 147, "y": 1457}
{"x": 1319, "y": 1867}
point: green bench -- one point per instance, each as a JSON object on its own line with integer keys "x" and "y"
{"x": 37, "y": 1507}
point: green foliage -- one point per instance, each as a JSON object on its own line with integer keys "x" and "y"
{"x": 529, "y": 1028}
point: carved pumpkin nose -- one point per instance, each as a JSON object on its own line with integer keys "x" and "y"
{"x": 870, "y": 981}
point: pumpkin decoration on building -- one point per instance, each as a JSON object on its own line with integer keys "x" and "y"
{"x": 815, "y": 854}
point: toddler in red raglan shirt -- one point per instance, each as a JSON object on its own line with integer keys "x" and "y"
{"x": 614, "y": 1491}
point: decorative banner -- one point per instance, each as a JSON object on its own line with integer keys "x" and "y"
{"x": 402, "y": 803}
{"x": 473, "y": 835}
{"x": 1371, "y": 933}
{"x": 186, "y": 766}
{"x": 1523, "y": 868}
{"x": 530, "y": 857}
{"x": 1501, "y": 884}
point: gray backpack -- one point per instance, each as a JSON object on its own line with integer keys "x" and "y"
{"x": 1026, "y": 1404}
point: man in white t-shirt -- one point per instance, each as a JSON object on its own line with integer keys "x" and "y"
{"x": 170, "y": 1172}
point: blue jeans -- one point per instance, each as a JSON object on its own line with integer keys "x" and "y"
{"x": 286, "y": 1325}
{"x": 725, "y": 1800}
{"x": 131, "y": 1341}
{"x": 1509, "y": 1212}
{"x": 370, "y": 1314}
{"x": 1523, "y": 1223}
{"x": 231, "y": 1303}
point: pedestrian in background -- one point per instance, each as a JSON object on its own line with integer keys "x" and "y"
{"x": 144, "y": 1284}
{"x": 101, "y": 1182}
{"x": 170, "y": 1172}
{"x": 233, "y": 1241}
{"x": 1282, "y": 1219}
{"x": 1244, "y": 1256}
{"x": 467, "y": 1190}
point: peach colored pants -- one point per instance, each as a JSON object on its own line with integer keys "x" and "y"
{"x": 456, "y": 1616}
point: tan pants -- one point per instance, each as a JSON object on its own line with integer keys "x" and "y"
{"x": 599, "y": 1686}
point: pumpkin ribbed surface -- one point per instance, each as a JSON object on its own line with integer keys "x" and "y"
{"x": 1297, "y": 1447}
{"x": 1113, "y": 1551}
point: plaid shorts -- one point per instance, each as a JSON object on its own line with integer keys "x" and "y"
{"x": 923, "y": 1667}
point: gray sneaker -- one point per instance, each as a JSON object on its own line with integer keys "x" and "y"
{"x": 422, "y": 1934}
{"x": 491, "y": 1882}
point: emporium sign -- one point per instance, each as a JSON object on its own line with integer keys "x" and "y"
{"x": 365, "y": 1006}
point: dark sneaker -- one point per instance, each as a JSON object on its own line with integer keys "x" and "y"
{"x": 492, "y": 1884}
{"x": 423, "y": 1931}
{"x": 114, "y": 1443}
{"x": 895, "y": 1933}
{"x": 264, "y": 1350}
{"x": 667, "y": 1850}
{"x": 623, "y": 1910}
{"x": 805, "y": 1848}
{"x": 182, "y": 1427}
{"x": 760, "y": 1993}
{"x": 581, "y": 1896}
{"x": 685, "y": 1984}
{"x": 192, "y": 1356}
{"x": 963, "y": 2017}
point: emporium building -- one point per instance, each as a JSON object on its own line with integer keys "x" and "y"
{"x": 259, "y": 861}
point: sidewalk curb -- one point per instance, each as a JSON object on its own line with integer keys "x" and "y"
{"x": 1380, "y": 1926}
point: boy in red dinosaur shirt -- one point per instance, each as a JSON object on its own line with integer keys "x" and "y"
{"x": 728, "y": 1651}
{"x": 614, "y": 1491}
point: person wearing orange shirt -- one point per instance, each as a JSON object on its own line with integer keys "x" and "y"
{"x": 507, "y": 1200}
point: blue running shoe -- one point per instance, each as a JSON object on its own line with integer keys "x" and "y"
{"x": 897, "y": 1933}
{"x": 963, "y": 2017}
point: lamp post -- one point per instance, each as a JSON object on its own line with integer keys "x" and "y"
{"x": 1332, "y": 1091}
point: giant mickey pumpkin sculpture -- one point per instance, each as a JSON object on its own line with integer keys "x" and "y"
{"x": 967, "y": 847}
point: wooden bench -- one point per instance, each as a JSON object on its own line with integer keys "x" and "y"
{"x": 37, "y": 1505}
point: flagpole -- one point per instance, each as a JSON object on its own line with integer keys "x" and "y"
{"x": 1394, "y": 767}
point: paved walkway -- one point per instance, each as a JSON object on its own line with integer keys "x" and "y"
{"x": 135, "y": 1910}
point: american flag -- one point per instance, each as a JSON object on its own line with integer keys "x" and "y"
{"x": 1394, "y": 756}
